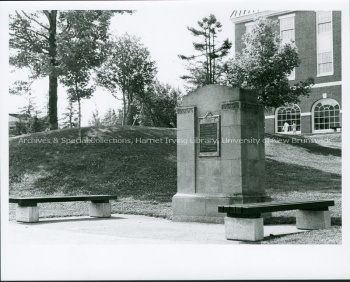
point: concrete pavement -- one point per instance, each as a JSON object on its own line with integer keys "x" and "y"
{"x": 125, "y": 229}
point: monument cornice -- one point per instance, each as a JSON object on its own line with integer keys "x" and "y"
{"x": 241, "y": 105}
{"x": 184, "y": 110}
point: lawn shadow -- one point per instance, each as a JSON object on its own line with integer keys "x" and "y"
{"x": 272, "y": 237}
{"x": 292, "y": 177}
{"x": 335, "y": 221}
{"x": 306, "y": 143}
{"x": 58, "y": 220}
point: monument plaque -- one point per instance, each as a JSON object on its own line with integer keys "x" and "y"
{"x": 209, "y": 136}
{"x": 221, "y": 167}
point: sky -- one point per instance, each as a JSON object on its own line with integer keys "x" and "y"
{"x": 162, "y": 29}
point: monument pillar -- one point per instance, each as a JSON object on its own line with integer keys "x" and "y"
{"x": 220, "y": 152}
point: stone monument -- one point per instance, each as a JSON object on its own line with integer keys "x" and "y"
{"x": 220, "y": 152}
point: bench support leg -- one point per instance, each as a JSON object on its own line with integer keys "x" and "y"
{"x": 100, "y": 210}
{"x": 27, "y": 214}
{"x": 249, "y": 229}
{"x": 266, "y": 215}
{"x": 307, "y": 219}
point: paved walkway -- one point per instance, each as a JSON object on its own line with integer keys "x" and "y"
{"x": 125, "y": 229}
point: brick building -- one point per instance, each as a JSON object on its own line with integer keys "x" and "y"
{"x": 317, "y": 35}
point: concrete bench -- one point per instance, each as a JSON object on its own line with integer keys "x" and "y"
{"x": 28, "y": 211}
{"x": 244, "y": 221}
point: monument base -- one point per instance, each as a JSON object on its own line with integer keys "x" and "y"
{"x": 204, "y": 208}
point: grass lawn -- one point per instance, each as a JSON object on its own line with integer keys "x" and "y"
{"x": 143, "y": 175}
{"x": 314, "y": 237}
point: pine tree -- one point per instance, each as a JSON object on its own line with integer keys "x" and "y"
{"x": 70, "y": 117}
{"x": 110, "y": 118}
{"x": 96, "y": 120}
{"x": 205, "y": 67}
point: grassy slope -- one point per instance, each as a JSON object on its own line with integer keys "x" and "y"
{"x": 144, "y": 175}
{"x": 129, "y": 170}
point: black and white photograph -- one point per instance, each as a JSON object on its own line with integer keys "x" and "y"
{"x": 174, "y": 140}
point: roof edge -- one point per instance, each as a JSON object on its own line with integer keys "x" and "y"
{"x": 250, "y": 17}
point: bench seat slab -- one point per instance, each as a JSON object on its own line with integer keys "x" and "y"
{"x": 255, "y": 208}
{"x": 100, "y": 209}
{"x": 28, "y": 201}
{"x": 248, "y": 229}
{"x": 311, "y": 220}
{"x": 27, "y": 214}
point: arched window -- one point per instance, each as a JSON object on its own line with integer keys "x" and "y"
{"x": 326, "y": 114}
{"x": 287, "y": 114}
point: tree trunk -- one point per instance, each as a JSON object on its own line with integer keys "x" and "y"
{"x": 70, "y": 114}
{"x": 79, "y": 106}
{"x": 207, "y": 59}
{"x": 124, "y": 110}
{"x": 210, "y": 67}
{"x": 129, "y": 114}
{"x": 79, "y": 118}
{"x": 53, "y": 102}
{"x": 214, "y": 81}
{"x": 53, "y": 77}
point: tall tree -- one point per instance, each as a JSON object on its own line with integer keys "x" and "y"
{"x": 37, "y": 38}
{"x": 110, "y": 118}
{"x": 96, "y": 119}
{"x": 27, "y": 115}
{"x": 205, "y": 66}
{"x": 31, "y": 118}
{"x": 70, "y": 117}
{"x": 128, "y": 69}
{"x": 86, "y": 51}
{"x": 119, "y": 117}
{"x": 265, "y": 64}
{"x": 158, "y": 107}
{"x": 78, "y": 89}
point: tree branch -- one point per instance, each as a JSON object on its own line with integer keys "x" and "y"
{"x": 67, "y": 28}
{"x": 35, "y": 21}
{"x": 26, "y": 37}
{"x": 47, "y": 14}
{"x": 43, "y": 35}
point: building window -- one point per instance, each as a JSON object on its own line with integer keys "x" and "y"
{"x": 287, "y": 34}
{"x": 288, "y": 114}
{"x": 324, "y": 43}
{"x": 326, "y": 114}
{"x": 287, "y": 29}
{"x": 249, "y": 27}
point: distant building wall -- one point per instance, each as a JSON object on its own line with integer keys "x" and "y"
{"x": 327, "y": 88}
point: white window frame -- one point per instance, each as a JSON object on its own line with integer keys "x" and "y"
{"x": 276, "y": 120}
{"x": 248, "y": 25}
{"x": 313, "y": 116}
{"x": 332, "y": 46}
{"x": 292, "y": 74}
